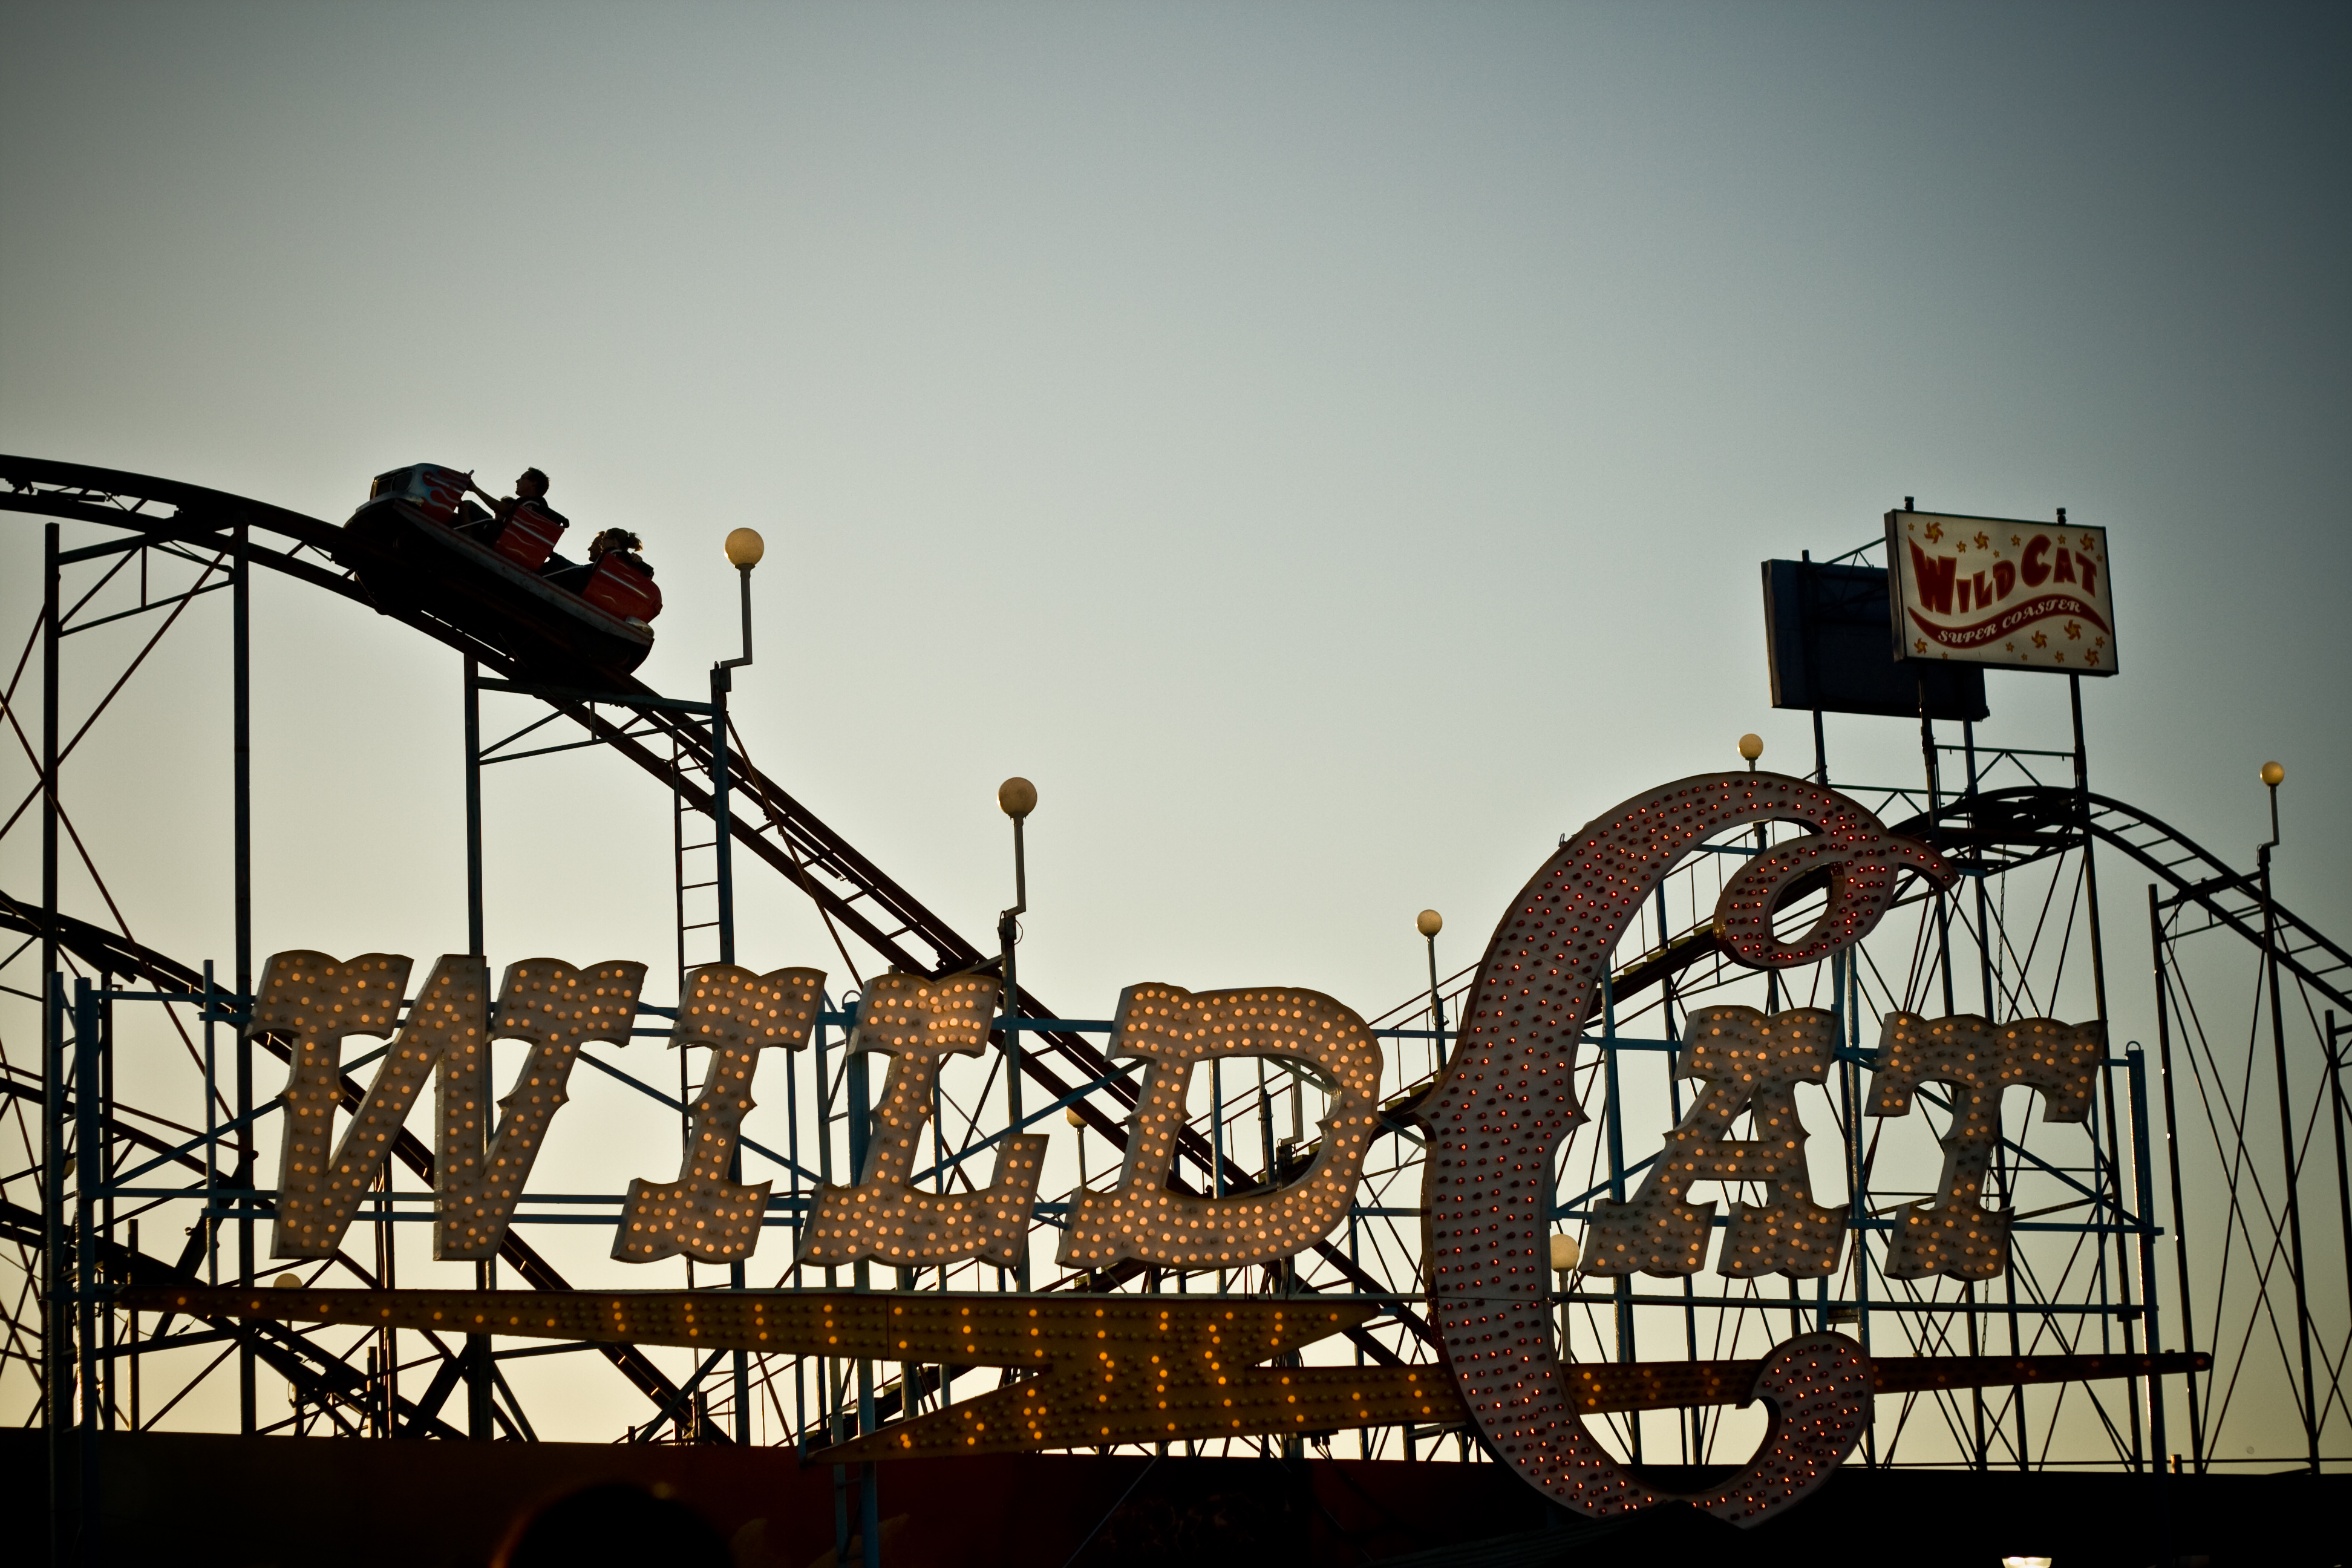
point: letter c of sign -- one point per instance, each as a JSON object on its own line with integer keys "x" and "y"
{"x": 1508, "y": 1098}
{"x": 2032, "y": 568}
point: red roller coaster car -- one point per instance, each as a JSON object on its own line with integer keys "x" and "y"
{"x": 435, "y": 550}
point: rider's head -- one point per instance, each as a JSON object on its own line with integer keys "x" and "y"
{"x": 532, "y": 485}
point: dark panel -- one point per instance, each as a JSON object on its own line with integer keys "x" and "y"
{"x": 1825, "y": 642}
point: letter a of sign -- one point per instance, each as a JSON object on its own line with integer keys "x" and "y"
{"x": 1955, "y": 1234}
{"x": 707, "y": 1213}
{"x": 920, "y": 1022}
{"x": 1753, "y": 1063}
{"x": 477, "y": 1177}
{"x": 1172, "y": 1028}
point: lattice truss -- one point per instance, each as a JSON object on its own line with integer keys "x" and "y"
{"x": 965, "y": 1130}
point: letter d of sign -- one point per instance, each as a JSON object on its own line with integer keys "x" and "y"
{"x": 707, "y": 1213}
{"x": 1173, "y": 1029}
{"x": 1955, "y": 1235}
{"x": 921, "y": 1022}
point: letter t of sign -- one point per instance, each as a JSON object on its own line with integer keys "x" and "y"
{"x": 921, "y": 1022}
{"x": 706, "y": 1214}
{"x": 1955, "y": 1234}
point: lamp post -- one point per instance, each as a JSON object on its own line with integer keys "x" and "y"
{"x": 1429, "y": 923}
{"x": 744, "y": 548}
{"x": 2273, "y": 775}
{"x": 1565, "y": 1256}
{"x": 1016, "y": 797}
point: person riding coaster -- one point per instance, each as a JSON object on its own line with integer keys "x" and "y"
{"x": 531, "y": 492}
{"x": 626, "y": 589}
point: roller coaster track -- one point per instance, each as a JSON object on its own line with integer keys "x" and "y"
{"x": 810, "y": 855}
{"x": 2005, "y": 830}
{"x": 842, "y": 882}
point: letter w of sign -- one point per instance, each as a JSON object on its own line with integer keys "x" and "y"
{"x": 1932, "y": 575}
{"x": 315, "y": 1003}
{"x": 1955, "y": 1234}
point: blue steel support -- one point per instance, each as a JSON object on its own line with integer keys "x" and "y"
{"x": 2144, "y": 1228}
{"x": 89, "y": 1178}
{"x": 1624, "y": 1287}
{"x": 56, "y": 1402}
{"x": 241, "y": 754}
{"x": 2172, "y": 1163}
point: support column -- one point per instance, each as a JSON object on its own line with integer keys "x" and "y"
{"x": 57, "y": 1321}
{"x": 241, "y": 751}
{"x": 2172, "y": 1162}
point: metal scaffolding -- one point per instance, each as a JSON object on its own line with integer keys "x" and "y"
{"x": 2186, "y": 1210}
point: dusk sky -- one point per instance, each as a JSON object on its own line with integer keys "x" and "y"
{"x": 1327, "y": 449}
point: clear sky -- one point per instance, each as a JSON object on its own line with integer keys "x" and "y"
{"x": 1327, "y": 449}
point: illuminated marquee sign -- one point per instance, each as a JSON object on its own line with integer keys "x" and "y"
{"x": 1991, "y": 590}
{"x": 1119, "y": 1369}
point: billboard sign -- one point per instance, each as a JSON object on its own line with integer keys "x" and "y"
{"x": 1992, "y": 590}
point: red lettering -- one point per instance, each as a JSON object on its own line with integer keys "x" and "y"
{"x": 1983, "y": 598}
{"x": 1961, "y": 588}
{"x": 2065, "y": 565}
{"x": 2090, "y": 575}
{"x": 2035, "y": 573}
{"x": 1933, "y": 578}
{"x": 2004, "y": 578}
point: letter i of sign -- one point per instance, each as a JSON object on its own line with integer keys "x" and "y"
{"x": 706, "y": 1214}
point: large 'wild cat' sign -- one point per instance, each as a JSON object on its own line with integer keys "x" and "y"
{"x": 1494, "y": 1124}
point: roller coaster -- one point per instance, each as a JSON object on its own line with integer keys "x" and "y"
{"x": 2202, "y": 1202}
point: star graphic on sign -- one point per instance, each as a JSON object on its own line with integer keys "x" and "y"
{"x": 1935, "y": 531}
{"x": 1918, "y": 645}
{"x": 2099, "y": 642}
{"x": 1982, "y": 542}
{"x": 2074, "y": 631}
{"x": 2085, "y": 546}
{"x": 2014, "y": 541}
{"x": 2059, "y": 656}
{"x": 2092, "y": 657}
{"x": 2041, "y": 639}
{"x": 2010, "y": 646}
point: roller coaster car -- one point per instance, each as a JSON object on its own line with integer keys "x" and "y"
{"x": 417, "y": 543}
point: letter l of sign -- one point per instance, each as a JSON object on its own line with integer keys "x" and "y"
{"x": 707, "y": 1213}
{"x": 922, "y": 1022}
